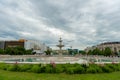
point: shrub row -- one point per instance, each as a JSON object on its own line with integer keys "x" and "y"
{"x": 61, "y": 68}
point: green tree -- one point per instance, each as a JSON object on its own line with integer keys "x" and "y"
{"x": 102, "y": 52}
{"x": 96, "y": 51}
{"x": 89, "y": 52}
{"x": 20, "y": 50}
{"x": 15, "y": 51}
{"x": 70, "y": 51}
{"x": 107, "y": 51}
{"x": 48, "y": 52}
{"x": 28, "y": 52}
{"x": 82, "y": 52}
{"x": 8, "y": 51}
{"x": 1, "y": 51}
{"x": 99, "y": 52}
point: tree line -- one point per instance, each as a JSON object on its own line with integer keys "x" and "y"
{"x": 15, "y": 51}
{"x": 106, "y": 52}
{"x": 22, "y": 51}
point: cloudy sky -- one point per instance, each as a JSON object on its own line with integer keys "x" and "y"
{"x": 81, "y": 23}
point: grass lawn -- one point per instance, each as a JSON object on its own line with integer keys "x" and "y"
{"x": 6, "y": 75}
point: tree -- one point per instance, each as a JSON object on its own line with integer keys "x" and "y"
{"x": 70, "y": 51}
{"x": 102, "y": 52}
{"x": 1, "y": 51}
{"x": 20, "y": 50}
{"x": 82, "y": 52}
{"x": 96, "y": 51}
{"x": 48, "y": 52}
{"x": 89, "y": 52}
{"x": 107, "y": 51}
{"x": 29, "y": 52}
{"x": 15, "y": 50}
{"x": 8, "y": 51}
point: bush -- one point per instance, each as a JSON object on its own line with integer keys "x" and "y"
{"x": 85, "y": 66}
{"x": 59, "y": 69}
{"x": 42, "y": 69}
{"x": 25, "y": 67}
{"x": 70, "y": 70}
{"x": 114, "y": 67}
{"x": 79, "y": 69}
{"x": 4, "y": 66}
{"x": 49, "y": 69}
{"x": 13, "y": 67}
{"x": 118, "y": 67}
{"x": 106, "y": 69}
{"x": 96, "y": 68}
{"x": 36, "y": 69}
{"x": 91, "y": 70}
{"x": 65, "y": 66}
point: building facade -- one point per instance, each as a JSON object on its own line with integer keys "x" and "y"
{"x": 114, "y": 46}
{"x": 2, "y": 44}
{"x": 6, "y": 44}
{"x": 13, "y": 44}
{"x": 36, "y": 46}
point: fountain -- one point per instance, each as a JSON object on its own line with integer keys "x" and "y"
{"x": 60, "y": 45}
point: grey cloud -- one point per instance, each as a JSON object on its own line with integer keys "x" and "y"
{"x": 50, "y": 12}
{"x": 86, "y": 22}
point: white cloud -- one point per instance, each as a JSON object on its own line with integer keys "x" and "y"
{"x": 86, "y": 22}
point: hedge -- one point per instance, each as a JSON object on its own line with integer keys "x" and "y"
{"x": 61, "y": 68}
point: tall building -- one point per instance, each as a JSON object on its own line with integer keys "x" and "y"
{"x": 13, "y": 44}
{"x": 35, "y": 45}
{"x": 6, "y": 44}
